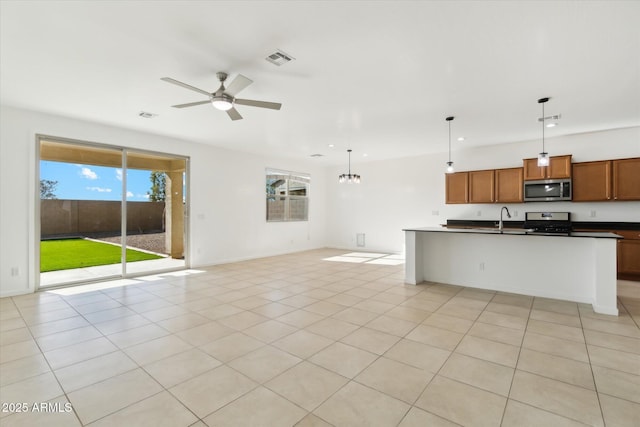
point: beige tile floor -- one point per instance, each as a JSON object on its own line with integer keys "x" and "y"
{"x": 301, "y": 340}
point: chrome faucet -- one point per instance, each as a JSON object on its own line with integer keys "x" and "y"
{"x": 501, "y": 225}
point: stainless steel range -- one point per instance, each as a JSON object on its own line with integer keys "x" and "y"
{"x": 548, "y": 222}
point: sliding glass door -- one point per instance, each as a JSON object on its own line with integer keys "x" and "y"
{"x": 156, "y": 217}
{"x": 108, "y": 212}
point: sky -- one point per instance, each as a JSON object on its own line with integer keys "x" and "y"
{"x": 89, "y": 182}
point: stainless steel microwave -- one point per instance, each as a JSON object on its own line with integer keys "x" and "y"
{"x": 547, "y": 190}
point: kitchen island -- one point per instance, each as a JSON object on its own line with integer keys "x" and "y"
{"x": 579, "y": 267}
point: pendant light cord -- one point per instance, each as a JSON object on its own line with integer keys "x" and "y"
{"x": 543, "y": 127}
{"x": 449, "y": 141}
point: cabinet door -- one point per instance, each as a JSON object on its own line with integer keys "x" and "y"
{"x": 509, "y": 185}
{"x": 481, "y": 186}
{"x": 591, "y": 181}
{"x": 457, "y": 187}
{"x": 629, "y": 259}
{"x": 626, "y": 179}
{"x": 559, "y": 167}
{"x": 532, "y": 171}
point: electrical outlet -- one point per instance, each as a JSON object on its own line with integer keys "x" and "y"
{"x": 592, "y": 214}
{"x": 515, "y": 213}
{"x": 15, "y": 271}
{"x": 479, "y": 213}
{"x": 482, "y": 266}
{"x": 435, "y": 213}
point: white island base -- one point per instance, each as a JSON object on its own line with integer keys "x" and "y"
{"x": 579, "y": 267}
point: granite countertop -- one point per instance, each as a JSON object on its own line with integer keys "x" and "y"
{"x": 512, "y": 232}
{"x": 576, "y": 225}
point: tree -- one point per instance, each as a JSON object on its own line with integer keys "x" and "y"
{"x": 48, "y": 188}
{"x": 158, "y": 183}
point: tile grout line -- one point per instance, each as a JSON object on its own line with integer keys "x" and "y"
{"x": 64, "y": 393}
{"x": 300, "y": 290}
{"x": 515, "y": 369}
{"x": 593, "y": 376}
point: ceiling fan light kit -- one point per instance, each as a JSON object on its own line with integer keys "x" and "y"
{"x": 222, "y": 103}
{"x": 224, "y": 99}
{"x": 349, "y": 178}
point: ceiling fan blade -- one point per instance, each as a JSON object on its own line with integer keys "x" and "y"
{"x": 238, "y": 84}
{"x": 261, "y": 104}
{"x": 191, "y": 104}
{"x": 184, "y": 85}
{"x": 233, "y": 113}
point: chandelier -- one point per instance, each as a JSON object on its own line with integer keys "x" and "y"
{"x": 349, "y": 177}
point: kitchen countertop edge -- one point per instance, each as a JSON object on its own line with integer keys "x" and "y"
{"x": 514, "y": 232}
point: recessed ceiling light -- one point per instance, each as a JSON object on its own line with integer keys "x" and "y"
{"x": 365, "y": 155}
{"x": 461, "y": 138}
{"x": 331, "y": 145}
{"x": 551, "y": 125}
{"x": 317, "y": 155}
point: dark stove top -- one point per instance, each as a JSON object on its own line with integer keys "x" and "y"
{"x": 548, "y": 222}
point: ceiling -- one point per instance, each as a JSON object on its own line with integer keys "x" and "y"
{"x": 375, "y": 76}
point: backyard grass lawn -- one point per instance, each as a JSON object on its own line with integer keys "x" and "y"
{"x": 66, "y": 254}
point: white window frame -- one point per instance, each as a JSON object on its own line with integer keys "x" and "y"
{"x": 287, "y": 197}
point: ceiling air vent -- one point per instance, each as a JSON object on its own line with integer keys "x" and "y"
{"x": 279, "y": 57}
{"x": 147, "y": 115}
{"x": 550, "y": 121}
{"x": 554, "y": 117}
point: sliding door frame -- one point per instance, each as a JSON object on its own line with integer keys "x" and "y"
{"x": 40, "y": 138}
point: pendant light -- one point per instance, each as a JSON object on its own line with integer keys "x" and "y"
{"x": 543, "y": 157}
{"x": 349, "y": 177}
{"x": 449, "y": 163}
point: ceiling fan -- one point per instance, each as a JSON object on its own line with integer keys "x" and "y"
{"x": 225, "y": 98}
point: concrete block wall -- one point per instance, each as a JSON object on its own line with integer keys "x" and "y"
{"x": 78, "y": 217}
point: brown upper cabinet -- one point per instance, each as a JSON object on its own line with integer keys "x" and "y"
{"x": 508, "y": 185}
{"x": 606, "y": 180}
{"x": 486, "y": 186}
{"x": 591, "y": 181}
{"x": 559, "y": 167}
{"x": 482, "y": 186}
{"x": 457, "y": 187}
{"x": 626, "y": 179}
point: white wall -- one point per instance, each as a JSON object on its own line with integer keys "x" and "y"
{"x": 409, "y": 192}
{"x": 227, "y": 220}
{"x": 227, "y": 201}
